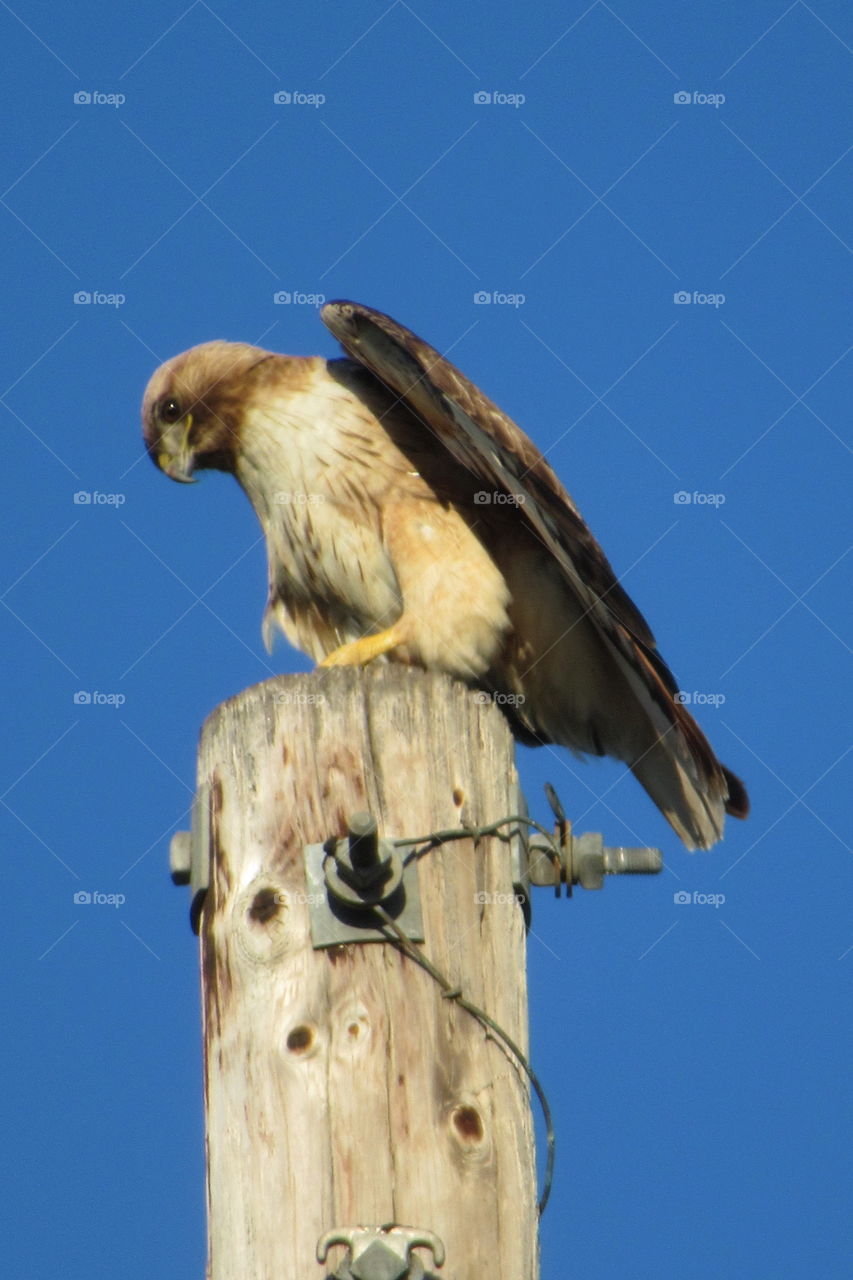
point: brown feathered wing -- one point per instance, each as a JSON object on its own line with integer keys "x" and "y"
{"x": 676, "y": 764}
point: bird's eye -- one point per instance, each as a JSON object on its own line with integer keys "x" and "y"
{"x": 169, "y": 411}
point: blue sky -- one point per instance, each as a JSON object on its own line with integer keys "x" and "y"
{"x": 696, "y": 1056}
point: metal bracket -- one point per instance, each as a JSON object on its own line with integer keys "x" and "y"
{"x": 345, "y": 878}
{"x": 189, "y": 855}
{"x": 381, "y": 1253}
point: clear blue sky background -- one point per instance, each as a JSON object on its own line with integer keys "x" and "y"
{"x": 697, "y": 1057}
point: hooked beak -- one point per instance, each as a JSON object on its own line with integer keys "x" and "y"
{"x": 173, "y": 454}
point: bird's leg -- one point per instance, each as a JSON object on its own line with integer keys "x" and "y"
{"x": 359, "y": 652}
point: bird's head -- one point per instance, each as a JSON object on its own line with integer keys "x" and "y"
{"x": 193, "y": 406}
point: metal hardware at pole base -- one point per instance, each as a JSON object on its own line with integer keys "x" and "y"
{"x": 381, "y": 1253}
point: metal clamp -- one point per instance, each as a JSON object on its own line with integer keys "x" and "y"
{"x": 381, "y": 1253}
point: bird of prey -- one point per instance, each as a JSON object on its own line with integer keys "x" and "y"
{"x": 408, "y": 519}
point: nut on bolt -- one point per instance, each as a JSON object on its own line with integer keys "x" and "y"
{"x": 362, "y": 870}
{"x": 586, "y": 860}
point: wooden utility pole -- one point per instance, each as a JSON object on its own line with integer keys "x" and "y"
{"x": 342, "y": 1087}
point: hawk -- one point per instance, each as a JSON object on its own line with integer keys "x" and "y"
{"x": 408, "y": 519}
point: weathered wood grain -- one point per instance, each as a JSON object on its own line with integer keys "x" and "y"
{"x": 341, "y": 1088}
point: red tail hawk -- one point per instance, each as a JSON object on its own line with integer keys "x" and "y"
{"x": 408, "y": 519}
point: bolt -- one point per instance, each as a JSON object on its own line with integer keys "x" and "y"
{"x": 180, "y": 857}
{"x": 622, "y": 860}
{"x": 363, "y": 842}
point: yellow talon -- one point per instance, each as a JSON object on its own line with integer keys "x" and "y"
{"x": 359, "y": 652}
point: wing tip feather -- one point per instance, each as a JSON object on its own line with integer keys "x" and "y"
{"x": 737, "y": 801}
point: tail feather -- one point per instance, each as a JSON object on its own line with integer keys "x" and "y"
{"x": 694, "y": 806}
{"x": 678, "y": 767}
